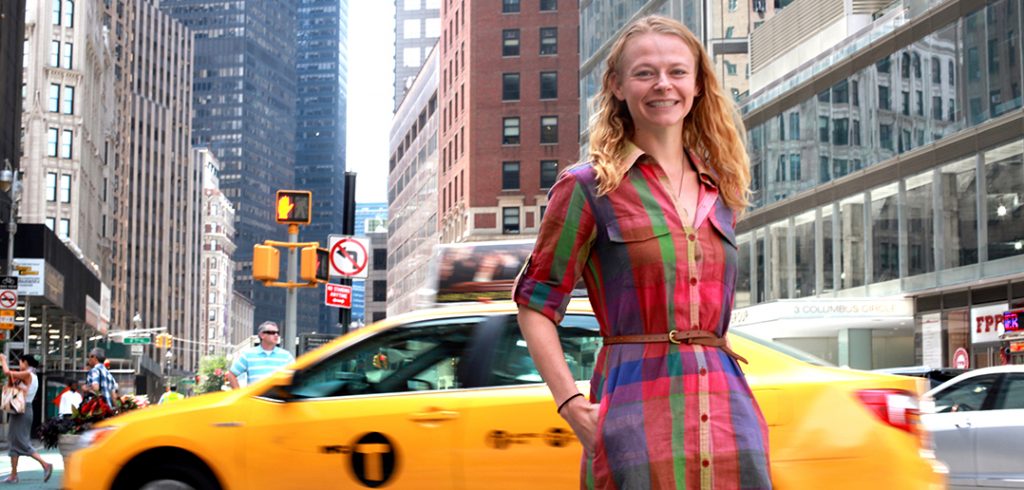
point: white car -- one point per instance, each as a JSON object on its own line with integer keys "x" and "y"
{"x": 976, "y": 421}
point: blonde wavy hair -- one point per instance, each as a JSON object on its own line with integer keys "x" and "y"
{"x": 712, "y": 129}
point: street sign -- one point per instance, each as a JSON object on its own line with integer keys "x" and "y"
{"x": 137, "y": 349}
{"x": 8, "y": 299}
{"x": 138, "y": 340}
{"x": 349, "y": 256}
{"x": 6, "y": 320}
{"x": 961, "y": 360}
{"x": 9, "y": 282}
{"x": 338, "y": 296}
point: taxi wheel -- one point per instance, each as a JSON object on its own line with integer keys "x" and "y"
{"x": 166, "y": 470}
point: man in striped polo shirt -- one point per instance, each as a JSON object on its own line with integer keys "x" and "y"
{"x": 260, "y": 361}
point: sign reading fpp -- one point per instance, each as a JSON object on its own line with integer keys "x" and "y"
{"x": 987, "y": 323}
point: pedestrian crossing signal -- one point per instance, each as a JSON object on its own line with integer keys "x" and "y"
{"x": 293, "y": 207}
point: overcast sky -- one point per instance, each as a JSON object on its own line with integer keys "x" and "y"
{"x": 371, "y": 47}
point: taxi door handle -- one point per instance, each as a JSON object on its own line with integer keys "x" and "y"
{"x": 434, "y": 415}
{"x": 966, "y": 424}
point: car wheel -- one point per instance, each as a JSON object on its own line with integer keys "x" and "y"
{"x": 185, "y": 472}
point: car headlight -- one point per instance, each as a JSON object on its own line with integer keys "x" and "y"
{"x": 94, "y": 436}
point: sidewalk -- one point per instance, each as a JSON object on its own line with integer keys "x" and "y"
{"x": 30, "y": 474}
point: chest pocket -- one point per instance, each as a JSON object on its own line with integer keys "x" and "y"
{"x": 721, "y": 219}
{"x": 634, "y": 256}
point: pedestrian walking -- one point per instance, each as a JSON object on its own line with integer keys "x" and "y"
{"x": 262, "y": 360}
{"x": 21, "y": 423}
{"x": 648, "y": 223}
{"x": 69, "y": 399}
{"x": 99, "y": 379}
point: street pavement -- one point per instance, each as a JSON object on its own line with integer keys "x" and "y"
{"x": 30, "y": 474}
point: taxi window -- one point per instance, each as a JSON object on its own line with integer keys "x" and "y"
{"x": 966, "y": 396}
{"x": 1011, "y": 392}
{"x": 580, "y": 343}
{"x": 415, "y": 357}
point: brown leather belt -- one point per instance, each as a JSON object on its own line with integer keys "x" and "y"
{"x": 698, "y": 337}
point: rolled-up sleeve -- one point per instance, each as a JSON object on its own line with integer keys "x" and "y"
{"x": 563, "y": 247}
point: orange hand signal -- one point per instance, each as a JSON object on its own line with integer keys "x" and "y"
{"x": 284, "y": 208}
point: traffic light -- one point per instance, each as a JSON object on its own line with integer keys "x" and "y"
{"x": 266, "y": 263}
{"x": 168, "y": 340}
{"x": 293, "y": 207}
{"x": 314, "y": 263}
{"x": 163, "y": 341}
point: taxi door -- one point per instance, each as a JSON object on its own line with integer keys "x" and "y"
{"x": 383, "y": 412}
{"x": 513, "y": 438}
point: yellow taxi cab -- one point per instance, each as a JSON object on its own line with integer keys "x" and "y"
{"x": 449, "y": 398}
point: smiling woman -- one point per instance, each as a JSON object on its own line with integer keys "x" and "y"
{"x": 649, "y": 226}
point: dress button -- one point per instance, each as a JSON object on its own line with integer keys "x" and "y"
{"x": 693, "y": 281}
{"x": 703, "y": 371}
{"x": 704, "y": 418}
{"x": 691, "y": 237}
{"x": 705, "y": 463}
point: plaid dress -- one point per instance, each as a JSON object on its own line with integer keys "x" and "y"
{"x": 671, "y": 415}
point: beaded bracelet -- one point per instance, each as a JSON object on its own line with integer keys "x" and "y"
{"x": 566, "y": 402}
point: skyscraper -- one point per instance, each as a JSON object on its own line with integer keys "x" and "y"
{"x": 509, "y": 105}
{"x": 322, "y": 69}
{"x": 244, "y": 100}
{"x": 12, "y": 32}
{"x": 417, "y": 28}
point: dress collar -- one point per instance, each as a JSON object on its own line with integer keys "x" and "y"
{"x": 633, "y": 155}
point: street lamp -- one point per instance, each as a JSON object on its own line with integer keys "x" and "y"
{"x": 169, "y": 355}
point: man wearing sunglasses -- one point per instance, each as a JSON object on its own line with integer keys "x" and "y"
{"x": 260, "y": 361}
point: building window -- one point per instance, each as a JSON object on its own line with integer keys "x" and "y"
{"x": 54, "y": 53}
{"x": 510, "y": 220}
{"x": 949, "y": 69}
{"x": 884, "y": 101}
{"x": 730, "y": 68}
{"x": 548, "y": 173}
{"x": 380, "y": 259}
{"x": 69, "y": 99}
{"x": 548, "y": 5}
{"x": 51, "y": 186}
{"x": 885, "y": 136}
{"x": 883, "y": 65}
{"x": 855, "y": 132}
{"x": 905, "y": 103}
{"x": 936, "y": 70}
{"x": 732, "y": 6}
{"x": 855, "y": 93}
{"x": 51, "y": 142}
{"x": 65, "y": 228}
{"x": 548, "y": 129}
{"x": 917, "y": 65}
{"x": 794, "y": 126}
{"x": 510, "y": 6}
{"x": 510, "y": 86}
{"x": 510, "y": 131}
{"x": 68, "y": 54}
{"x": 780, "y": 169}
{"x": 380, "y": 290}
{"x": 510, "y": 42}
{"x": 56, "y": 19}
{"x": 823, "y": 129}
{"x": 53, "y": 103}
{"x": 69, "y": 13}
{"x": 794, "y": 166}
{"x": 66, "y": 137}
{"x": 782, "y": 127}
{"x": 729, "y": 31}
{"x": 905, "y": 65}
{"x": 841, "y": 131}
{"x": 65, "y": 188}
{"x": 509, "y": 176}
{"x": 51, "y": 223}
{"x": 548, "y": 40}
{"x": 549, "y": 85}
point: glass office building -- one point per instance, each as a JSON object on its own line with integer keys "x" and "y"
{"x": 895, "y": 171}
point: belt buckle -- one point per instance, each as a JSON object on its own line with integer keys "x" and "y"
{"x": 672, "y": 337}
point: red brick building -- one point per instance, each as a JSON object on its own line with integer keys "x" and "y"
{"x": 509, "y": 100}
